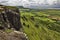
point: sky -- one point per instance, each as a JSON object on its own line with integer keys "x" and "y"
{"x": 31, "y": 3}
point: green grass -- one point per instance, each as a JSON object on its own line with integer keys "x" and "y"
{"x": 38, "y": 26}
{"x": 8, "y": 30}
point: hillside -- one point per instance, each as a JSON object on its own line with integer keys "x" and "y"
{"x": 37, "y": 24}
{"x": 42, "y": 24}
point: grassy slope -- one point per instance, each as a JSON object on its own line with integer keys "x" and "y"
{"x": 38, "y": 26}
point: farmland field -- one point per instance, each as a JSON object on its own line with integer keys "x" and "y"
{"x": 41, "y": 24}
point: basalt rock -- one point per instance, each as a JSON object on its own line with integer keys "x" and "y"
{"x": 10, "y": 18}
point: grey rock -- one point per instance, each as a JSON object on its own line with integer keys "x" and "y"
{"x": 10, "y": 18}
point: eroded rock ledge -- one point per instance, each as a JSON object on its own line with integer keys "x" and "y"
{"x": 15, "y": 35}
{"x": 10, "y": 18}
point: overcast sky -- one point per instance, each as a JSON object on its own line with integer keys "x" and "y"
{"x": 29, "y": 3}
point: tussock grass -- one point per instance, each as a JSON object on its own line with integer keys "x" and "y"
{"x": 39, "y": 26}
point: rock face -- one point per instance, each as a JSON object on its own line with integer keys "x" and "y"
{"x": 10, "y": 18}
{"x": 12, "y": 36}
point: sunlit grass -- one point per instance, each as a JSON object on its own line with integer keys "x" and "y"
{"x": 38, "y": 26}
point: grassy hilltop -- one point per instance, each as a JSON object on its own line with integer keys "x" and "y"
{"x": 41, "y": 24}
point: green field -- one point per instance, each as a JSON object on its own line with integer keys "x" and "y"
{"x": 41, "y": 24}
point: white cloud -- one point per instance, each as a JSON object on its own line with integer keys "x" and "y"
{"x": 25, "y": 2}
{"x": 51, "y": 1}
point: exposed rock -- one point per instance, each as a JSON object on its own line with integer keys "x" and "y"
{"x": 10, "y": 18}
{"x": 15, "y": 35}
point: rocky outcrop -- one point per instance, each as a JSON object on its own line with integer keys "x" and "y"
{"x": 15, "y": 35}
{"x": 10, "y": 18}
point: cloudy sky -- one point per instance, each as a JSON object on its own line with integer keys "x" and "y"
{"x": 31, "y": 3}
